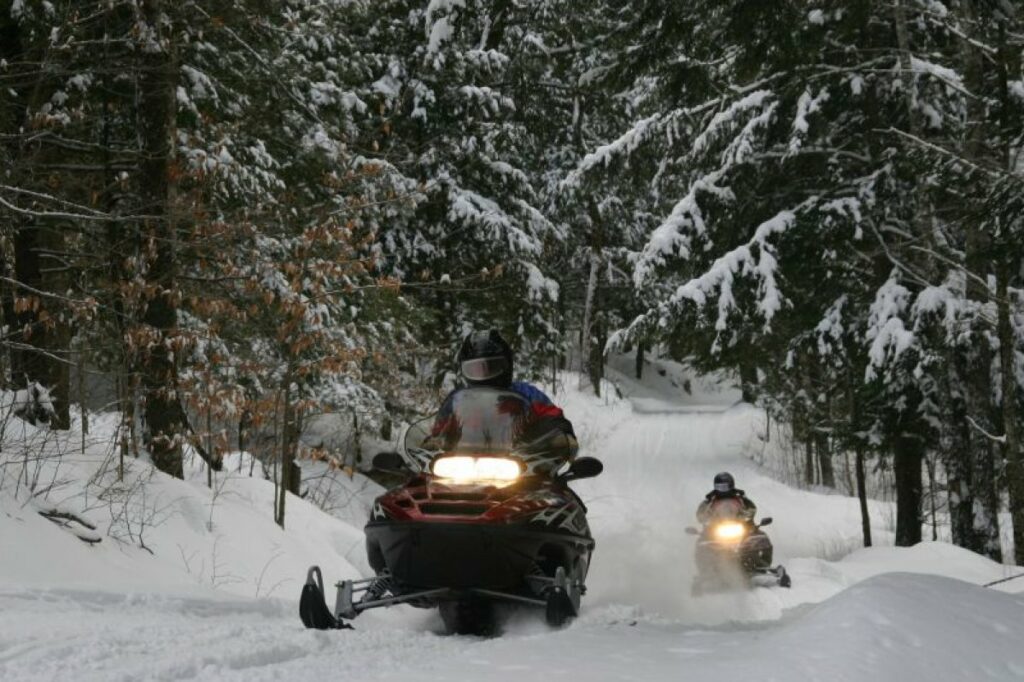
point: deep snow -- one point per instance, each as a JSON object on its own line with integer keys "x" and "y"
{"x": 216, "y": 599}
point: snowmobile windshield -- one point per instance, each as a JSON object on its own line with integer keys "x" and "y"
{"x": 478, "y": 421}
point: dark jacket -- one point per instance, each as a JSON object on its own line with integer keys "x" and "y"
{"x": 743, "y": 507}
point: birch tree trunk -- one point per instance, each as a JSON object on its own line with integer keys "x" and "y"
{"x": 588, "y": 311}
{"x": 823, "y": 450}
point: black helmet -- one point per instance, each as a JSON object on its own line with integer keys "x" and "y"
{"x": 485, "y": 359}
{"x": 724, "y": 482}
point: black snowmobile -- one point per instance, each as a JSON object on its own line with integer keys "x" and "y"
{"x": 485, "y": 516}
{"x": 733, "y": 552}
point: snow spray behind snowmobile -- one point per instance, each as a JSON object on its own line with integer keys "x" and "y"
{"x": 485, "y": 516}
{"x": 733, "y": 551}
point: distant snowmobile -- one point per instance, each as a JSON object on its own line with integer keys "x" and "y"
{"x": 733, "y": 551}
{"x": 486, "y": 516}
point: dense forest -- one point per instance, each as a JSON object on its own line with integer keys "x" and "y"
{"x": 224, "y": 218}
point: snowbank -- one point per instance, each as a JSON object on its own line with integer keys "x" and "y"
{"x": 932, "y": 558}
{"x": 892, "y": 627}
{"x": 159, "y": 533}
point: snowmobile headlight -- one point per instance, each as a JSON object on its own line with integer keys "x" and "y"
{"x": 466, "y": 469}
{"x": 730, "y": 531}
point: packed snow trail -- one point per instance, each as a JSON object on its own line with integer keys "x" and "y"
{"x": 896, "y": 626}
{"x": 638, "y": 620}
{"x": 659, "y": 464}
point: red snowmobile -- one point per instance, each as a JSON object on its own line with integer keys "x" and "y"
{"x": 485, "y": 516}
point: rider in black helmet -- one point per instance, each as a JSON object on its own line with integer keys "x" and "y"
{"x": 726, "y": 492}
{"x": 485, "y": 359}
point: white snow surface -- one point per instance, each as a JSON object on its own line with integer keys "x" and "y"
{"x": 112, "y": 611}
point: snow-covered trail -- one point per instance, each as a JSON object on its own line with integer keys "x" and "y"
{"x": 660, "y": 457}
{"x": 896, "y": 626}
{"x": 639, "y": 621}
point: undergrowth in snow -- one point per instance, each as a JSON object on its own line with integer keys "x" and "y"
{"x": 146, "y": 527}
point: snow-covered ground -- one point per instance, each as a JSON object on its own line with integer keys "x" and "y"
{"x": 161, "y": 533}
{"x": 214, "y": 598}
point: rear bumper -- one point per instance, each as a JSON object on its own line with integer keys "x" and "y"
{"x": 467, "y": 555}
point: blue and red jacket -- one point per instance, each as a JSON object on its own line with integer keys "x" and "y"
{"x": 541, "y": 407}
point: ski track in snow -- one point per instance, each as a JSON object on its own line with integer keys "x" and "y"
{"x": 639, "y": 621}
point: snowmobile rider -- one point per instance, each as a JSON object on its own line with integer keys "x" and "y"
{"x": 725, "y": 492}
{"x": 486, "y": 360}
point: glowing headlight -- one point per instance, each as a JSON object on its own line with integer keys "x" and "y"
{"x": 465, "y": 469}
{"x": 729, "y": 531}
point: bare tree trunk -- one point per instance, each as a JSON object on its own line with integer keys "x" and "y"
{"x": 125, "y": 427}
{"x": 596, "y": 365}
{"x": 57, "y": 330}
{"x": 909, "y": 444}
{"x": 641, "y": 348}
{"x": 824, "y": 452}
{"x": 849, "y": 485}
{"x": 40, "y": 326}
{"x": 860, "y": 474}
{"x": 1008, "y": 384}
{"x": 748, "y": 380}
{"x": 929, "y": 466}
{"x": 805, "y": 420}
{"x": 809, "y": 468}
{"x": 295, "y": 482}
{"x": 42, "y": 331}
{"x": 7, "y": 316}
{"x": 588, "y": 310}
{"x": 357, "y": 441}
{"x": 290, "y": 472}
{"x": 968, "y": 459}
{"x": 285, "y": 445}
{"x": 209, "y": 432}
{"x": 862, "y": 496}
{"x": 157, "y": 79}
{"x": 1009, "y": 62}
{"x": 908, "y": 456}
{"x": 243, "y": 427}
{"x": 27, "y": 365}
{"x": 973, "y": 498}
{"x": 81, "y": 396}
{"x": 988, "y": 502}
{"x": 959, "y": 486}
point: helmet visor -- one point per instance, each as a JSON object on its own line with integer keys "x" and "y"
{"x": 482, "y": 369}
{"x": 723, "y": 487}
